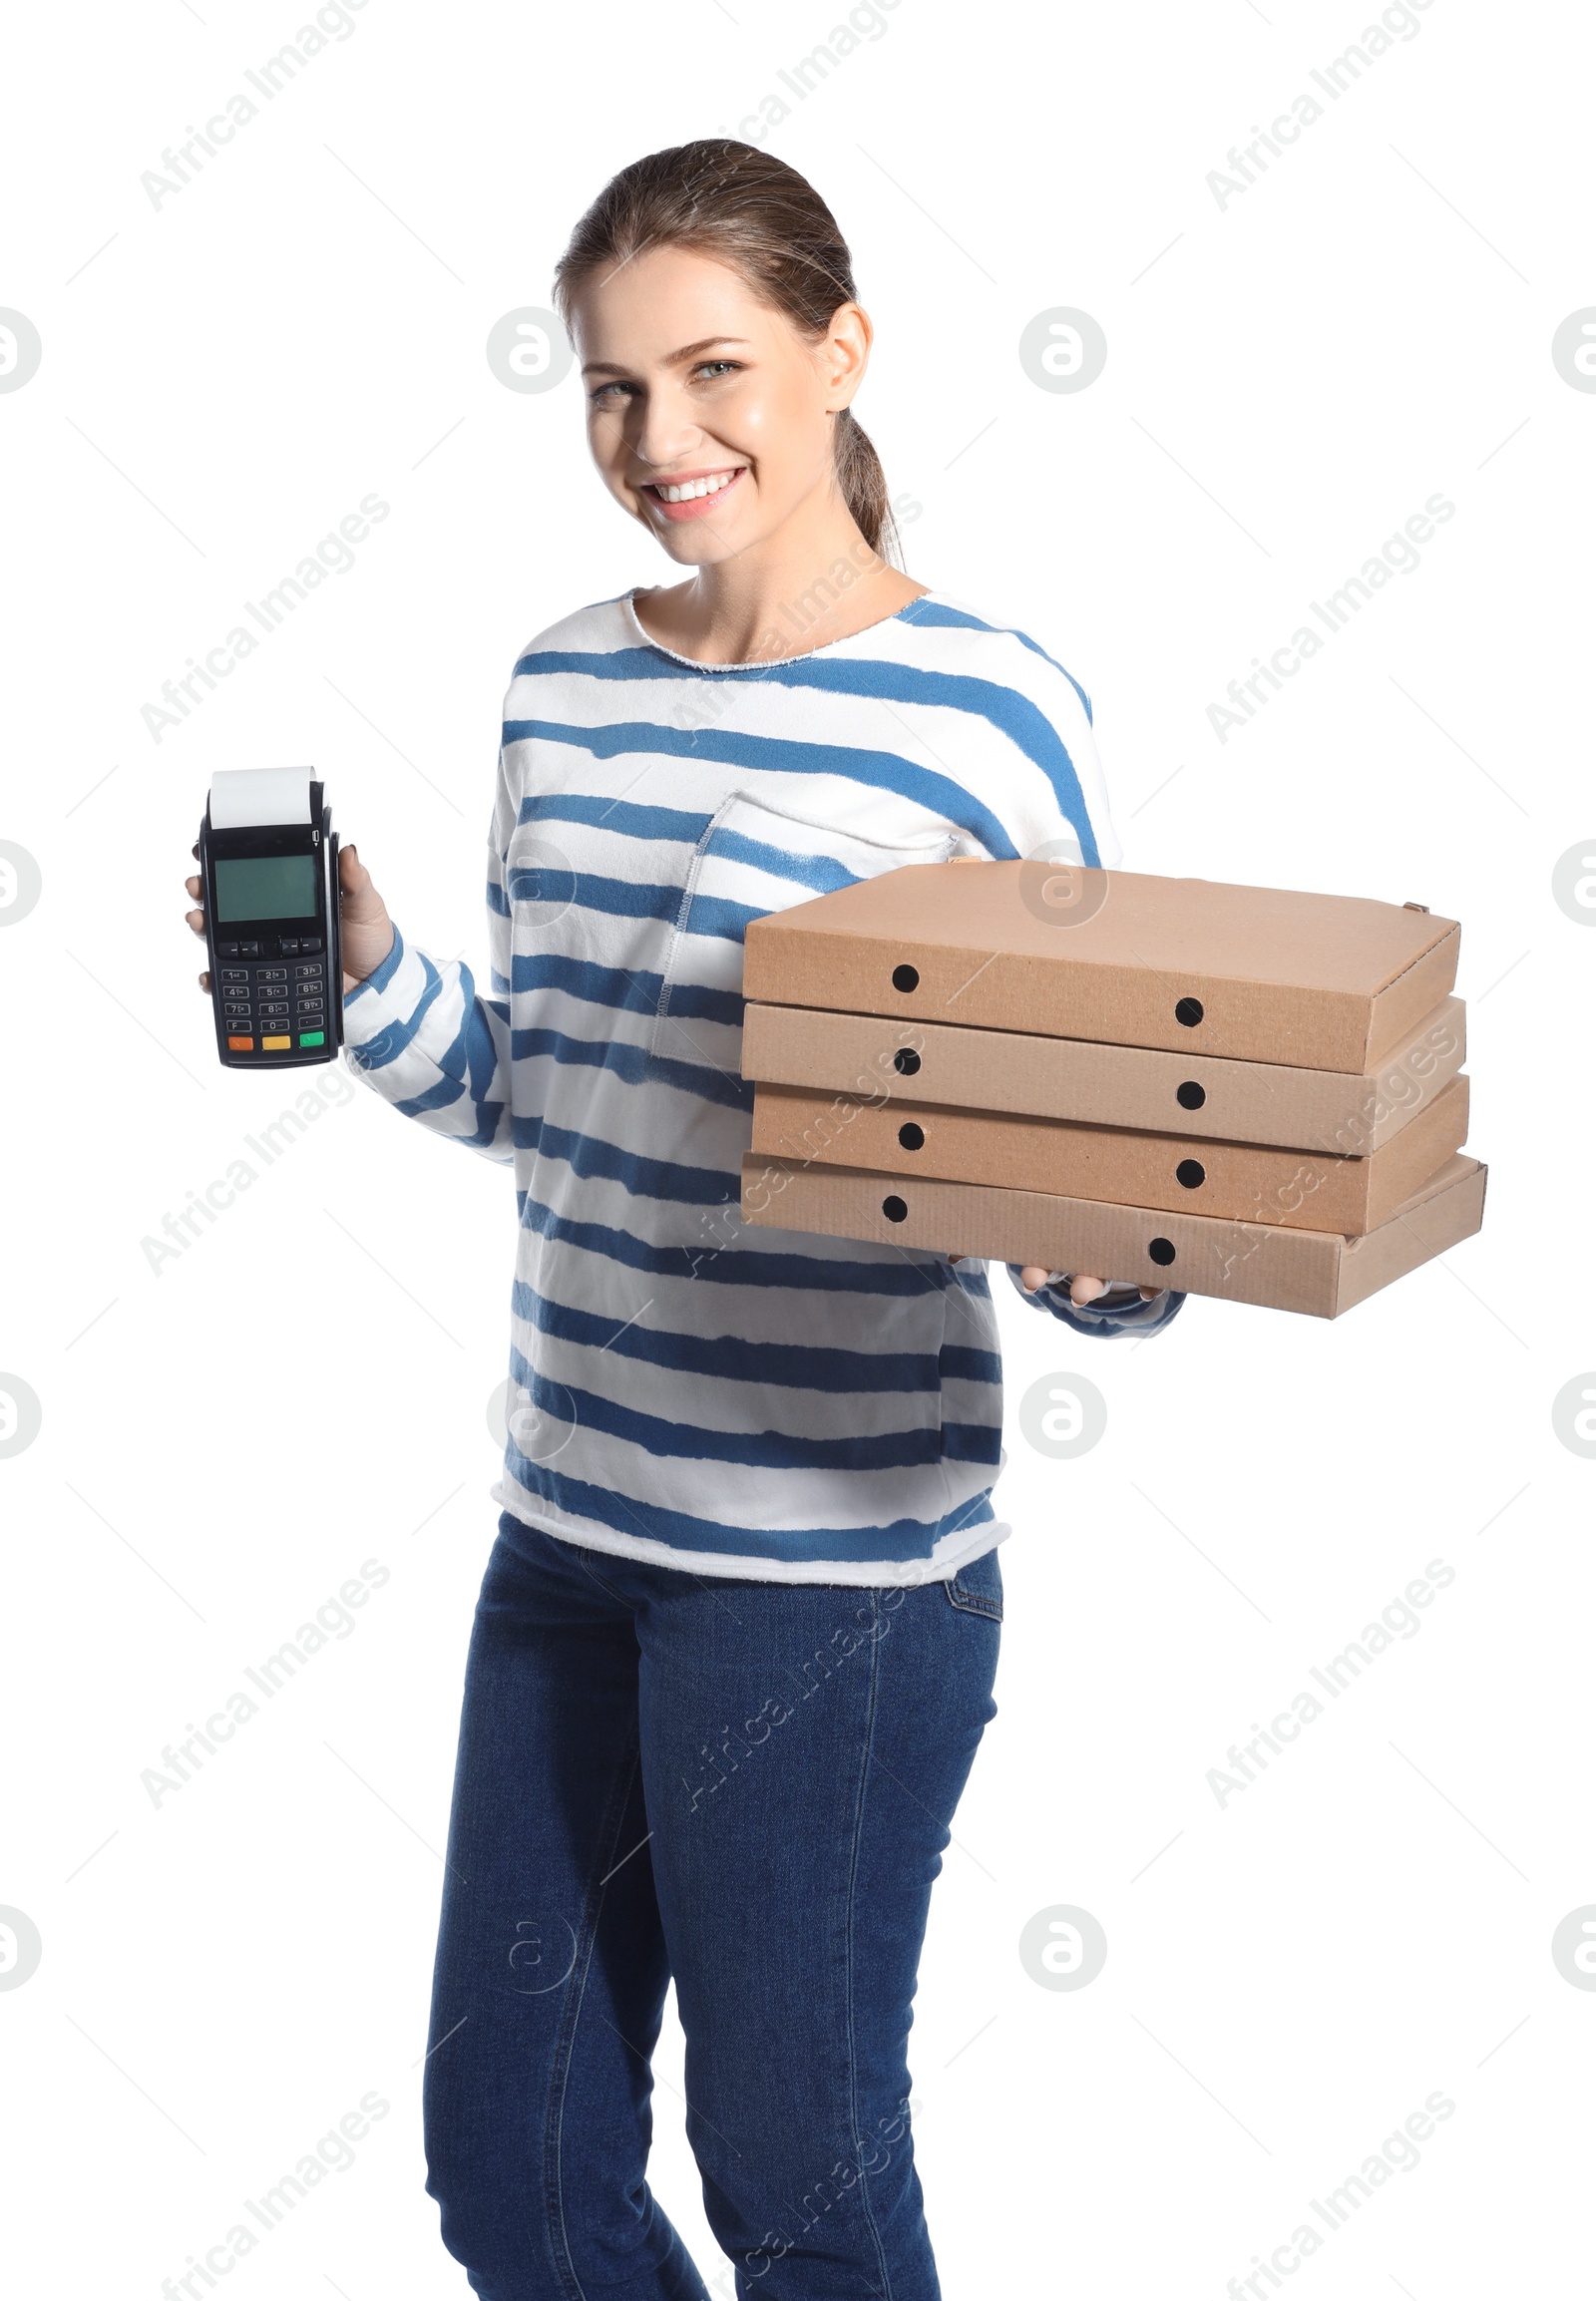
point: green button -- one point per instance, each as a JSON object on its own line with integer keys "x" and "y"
{"x": 312, "y": 1038}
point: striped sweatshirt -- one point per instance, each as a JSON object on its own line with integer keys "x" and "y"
{"x": 724, "y": 1398}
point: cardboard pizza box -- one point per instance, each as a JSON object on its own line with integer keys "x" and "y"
{"x": 1248, "y": 974}
{"x": 1318, "y": 1272}
{"x": 1185, "y": 1174}
{"x": 1342, "y": 1113}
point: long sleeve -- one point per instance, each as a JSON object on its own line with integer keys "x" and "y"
{"x": 427, "y": 1040}
{"x": 1137, "y": 1317}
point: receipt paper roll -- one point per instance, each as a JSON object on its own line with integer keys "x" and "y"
{"x": 243, "y": 796}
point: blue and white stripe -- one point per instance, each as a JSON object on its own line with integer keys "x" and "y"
{"x": 736, "y": 1401}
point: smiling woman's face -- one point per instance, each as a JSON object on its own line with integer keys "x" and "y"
{"x": 694, "y": 383}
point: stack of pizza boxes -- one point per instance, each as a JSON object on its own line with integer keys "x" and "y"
{"x": 1238, "y": 1091}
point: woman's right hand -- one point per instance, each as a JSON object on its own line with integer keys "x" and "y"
{"x": 363, "y": 922}
{"x": 366, "y": 931}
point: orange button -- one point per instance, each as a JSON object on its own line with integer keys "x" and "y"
{"x": 243, "y": 1046}
{"x": 271, "y": 1043}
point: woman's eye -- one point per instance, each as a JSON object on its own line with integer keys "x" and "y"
{"x": 711, "y": 369}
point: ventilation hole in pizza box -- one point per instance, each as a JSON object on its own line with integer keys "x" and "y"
{"x": 1191, "y": 1174}
{"x": 896, "y": 1210}
{"x": 1190, "y": 1095}
{"x": 1189, "y": 1011}
{"x": 910, "y": 1137}
{"x": 906, "y": 978}
{"x": 1162, "y": 1250}
{"x": 905, "y": 1062}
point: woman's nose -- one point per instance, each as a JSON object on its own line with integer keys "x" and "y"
{"x": 666, "y": 432}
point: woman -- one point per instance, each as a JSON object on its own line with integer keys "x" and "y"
{"x": 736, "y": 1641}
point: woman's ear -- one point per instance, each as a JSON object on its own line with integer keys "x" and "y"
{"x": 846, "y": 352}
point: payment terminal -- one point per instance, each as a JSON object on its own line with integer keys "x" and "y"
{"x": 268, "y": 870}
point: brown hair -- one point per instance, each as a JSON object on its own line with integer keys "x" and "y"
{"x": 756, "y": 214}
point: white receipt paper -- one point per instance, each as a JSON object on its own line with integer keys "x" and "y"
{"x": 242, "y": 796}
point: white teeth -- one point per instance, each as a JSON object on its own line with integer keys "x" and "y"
{"x": 711, "y": 487}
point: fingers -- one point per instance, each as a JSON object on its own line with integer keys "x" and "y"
{"x": 1082, "y": 1290}
{"x": 197, "y": 924}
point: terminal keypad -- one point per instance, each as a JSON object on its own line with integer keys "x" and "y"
{"x": 267, "y": 1005}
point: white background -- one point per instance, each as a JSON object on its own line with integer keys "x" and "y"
{"x": 306, "y": 1388}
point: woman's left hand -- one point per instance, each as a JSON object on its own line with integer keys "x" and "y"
{"x": 1082, "y": 1290}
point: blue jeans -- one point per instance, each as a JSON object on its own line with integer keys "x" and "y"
{"x": 743, "y": 1788}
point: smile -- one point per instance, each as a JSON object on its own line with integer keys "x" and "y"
{"x": 684, "y": 499}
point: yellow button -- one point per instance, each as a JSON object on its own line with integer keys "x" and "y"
{"x": 271, "y": 1043}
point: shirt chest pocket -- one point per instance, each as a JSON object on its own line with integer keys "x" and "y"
{"x": 752, "y": 858}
